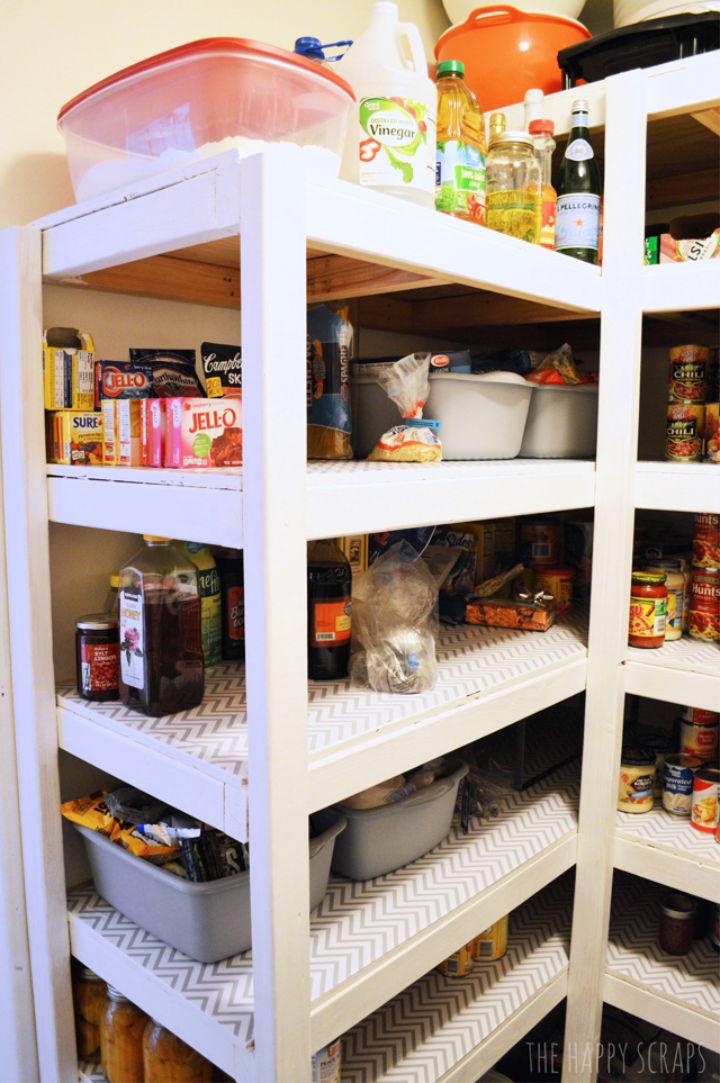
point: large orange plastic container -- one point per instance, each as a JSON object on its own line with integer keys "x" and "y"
{"x": 506, "y": 51}
{"x": 197, "y": 100}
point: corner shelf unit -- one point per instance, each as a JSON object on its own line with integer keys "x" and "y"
{"x": 265, "y": 750}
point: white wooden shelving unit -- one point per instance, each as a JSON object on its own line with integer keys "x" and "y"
{"x": 265, "y": 750}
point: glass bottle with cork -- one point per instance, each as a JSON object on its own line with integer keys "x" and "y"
{"x": 461, "y": 149}
{"x": 579, "y": 192}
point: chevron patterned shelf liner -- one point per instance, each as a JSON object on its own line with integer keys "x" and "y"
{"x": 634, "y": 955}
{"x": 693, "y": 655}
{"x": 424, "y": 1032}
{"x": 360, "y": 471}
{"x": 662, "y": 831}
{"x": 471, "y": 660}
{"x": 358, "y": 923}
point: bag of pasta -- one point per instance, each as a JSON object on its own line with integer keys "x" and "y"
{"x": 329, "y": 341}
{"x": 415, "y": 439}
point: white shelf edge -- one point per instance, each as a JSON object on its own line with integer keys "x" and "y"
{"x": 673, "y": 685}
{"x": 686, "y": 487}
{"x": 353, "y": 765}
{"x": 367, "y": 990}
{"x": 680, "y": 287}
{"x": 161, "y": 1002}
{"x": 683, "y": 871}
{"x": 683, "y": 86}
{"x": 672, "y": 1015}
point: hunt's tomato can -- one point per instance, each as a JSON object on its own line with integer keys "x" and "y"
{"x": 706, "y": 540}
{"x": 704, "y": 620}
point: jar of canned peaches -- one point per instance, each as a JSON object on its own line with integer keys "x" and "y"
{"x": 167, "y": 1059}
{"x": 121, "y": 1039}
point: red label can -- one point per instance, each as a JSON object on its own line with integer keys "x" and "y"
{"x": 705, "y": 800}
{"x": 706, "y": 542}
{"x": 689, "y": 367}
{"x": 704, "y": 620}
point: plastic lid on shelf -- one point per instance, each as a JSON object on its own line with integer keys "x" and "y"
{"x": 96, "y": 622}
{"x": 450, "y": 67}
{"x": 192, "y": 49}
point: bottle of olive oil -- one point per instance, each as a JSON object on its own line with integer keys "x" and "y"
{"x": 579, "y": 191}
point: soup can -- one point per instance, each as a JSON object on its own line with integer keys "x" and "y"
{"x": 706, "y": 540}
{"x": 684, "y": 432}
{"x": 704, "y": 621}
{"x": 678, "y": 780}
{"x": 689, "y": 374}
{"x": 700, "y": 740}
{"x": 704, "y": 816}
{"x": 327, "y": 1063}
{"x": 556, "y": 579}
{"x": 700, "y": 716}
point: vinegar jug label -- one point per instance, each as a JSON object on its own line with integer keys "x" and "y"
{"x": 577, "y": 220}
{"x": 396, "y": 144}
{"x": 132, "y": 641}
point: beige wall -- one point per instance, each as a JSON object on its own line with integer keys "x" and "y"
{"x": 52, "y": 49}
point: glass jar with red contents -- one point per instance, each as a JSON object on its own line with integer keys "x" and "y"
{"x": 648, "y": 609}
{"x": 97, "y": 645}
{"x": 677, "y": 923}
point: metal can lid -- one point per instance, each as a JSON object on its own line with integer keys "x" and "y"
{"x": 513, "y": 135}
{"x": 651, "y": 578}
{"x": 86, "y": 974}
{"x": 679, "y": 906}
{"x": 96, "y": 622}
{"x": 682, "y": 759}
{"x": 638, "y": 757}
{"x": 708, "y": 774}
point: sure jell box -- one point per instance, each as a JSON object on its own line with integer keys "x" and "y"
{"x": 75, "y": 437}
{"x": 203, "y": 432}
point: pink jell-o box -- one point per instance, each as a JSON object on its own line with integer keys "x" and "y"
{"x": 203, "y": 432}
{"x": 152, "y": 432}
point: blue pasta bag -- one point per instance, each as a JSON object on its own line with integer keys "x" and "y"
{"x": 329, "y": 343}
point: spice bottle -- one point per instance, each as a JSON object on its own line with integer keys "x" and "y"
{"x": 329, "y": 611}
{"x": 232, "y": 586}
{"x": 514, "y": 186}
{"x": 161, "y": 655}
{"x": 96, "y": 657}
{"x": 121, "y": 1039}
{"x": 677, "y": 922}
{"x": 648, "y": 609}
{"x": 90, "y": 1001}
{"x": 167, "y": 1059}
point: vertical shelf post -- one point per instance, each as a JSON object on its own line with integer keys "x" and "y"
{"x": 273, "y": 306}
{"x": 28, "y": 564}
{"x": 620, "y": 357}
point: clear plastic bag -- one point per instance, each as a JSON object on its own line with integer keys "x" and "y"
{"x": 395, "y": 624}
{"x": 415, "y": 439}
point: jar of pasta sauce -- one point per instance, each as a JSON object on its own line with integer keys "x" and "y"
{"x": 705, "y": 605}
{"x": 648, "y": 609}
{"x": 637, "y": 779}
{"x": 97, "y": 652}
{"x": 677, "y": 923}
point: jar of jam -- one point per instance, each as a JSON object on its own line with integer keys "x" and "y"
{"x": 677, "y": 923}
{"x": 637, "y": 780}
{"x": 121, "y": 1039}
{"x": 167, "y": 1059}
{"x": 90, "y": 1001}
{"x": 97, "y": 651}
{"x": 704, "y": 620}
{"x": 648, "y": 609}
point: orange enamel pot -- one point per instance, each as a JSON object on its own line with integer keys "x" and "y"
{"x": 506, "y": 51}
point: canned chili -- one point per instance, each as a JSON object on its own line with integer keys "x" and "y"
{"x": 97, "y": 650}
{"x": 706, "y": 541}
{"x": 705, "y": 604}
{"x": 689, "y": 370}
{"x": 684, "y": 432}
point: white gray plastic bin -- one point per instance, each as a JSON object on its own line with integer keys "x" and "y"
{"x": 562, "y": 422}
{"x": 380, "y": 840}
{"x": 208, "y": 921}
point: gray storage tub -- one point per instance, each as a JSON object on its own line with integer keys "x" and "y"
{"x": 380, "y": 840}
{"x": 205, "y": 921}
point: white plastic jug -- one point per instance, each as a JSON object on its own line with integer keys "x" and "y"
{"x": 391, "y": 138}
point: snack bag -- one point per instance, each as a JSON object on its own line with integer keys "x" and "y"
{"x": 173, "y": 371}
{"x": 329, "y": 341}
{"x": 415, "y": 439}
{"x": 93, "y": 812}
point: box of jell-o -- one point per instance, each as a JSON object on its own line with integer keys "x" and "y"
{"x": 122, "y": 428}
{"x": 75, "y": 437}
{"x": 152, "y": 432}
{"x": 68, "y": 369}
{"x": 203, "y": 432}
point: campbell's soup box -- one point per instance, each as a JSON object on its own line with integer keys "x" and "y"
{"x": 203, "y": 432}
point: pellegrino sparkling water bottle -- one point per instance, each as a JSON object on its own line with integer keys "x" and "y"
{"x": 577, "y": 221}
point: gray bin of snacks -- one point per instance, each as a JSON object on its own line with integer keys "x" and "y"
{"x": 205, "y": 921}
{"x": 380, "y": 840}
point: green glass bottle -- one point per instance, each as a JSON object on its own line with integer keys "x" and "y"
{"x": 579, "y": 189}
